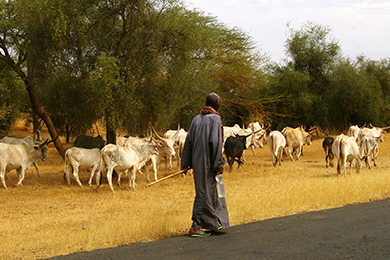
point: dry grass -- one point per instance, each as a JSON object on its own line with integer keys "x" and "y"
{"x": 45, "y": 217}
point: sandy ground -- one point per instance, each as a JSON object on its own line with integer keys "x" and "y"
{"x": 353, "y": 232}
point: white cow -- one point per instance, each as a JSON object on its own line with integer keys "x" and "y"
{"x": 180, "y": 138}
{"x": 345, "y": 149}
{"x": 375, "y": 132}
{"x": 354, "y": 131}
{"x": 179, "y": 141}
{"x": 28, "y": 140}
{"x": 131, "y": 140}
{"x": 256, "y": 140}
{"x": 230, "y": 131}
{"x": 276, "y": 143}
{"x": 166, "y": 149}
{"x": 123, "y": 159}
{"x": 121, "y": 140}
{"x": 77, "y": 158}
{"x": 19, "y": 157}
{"x": 368, "y": 145}
{"x": 295, "y": 139}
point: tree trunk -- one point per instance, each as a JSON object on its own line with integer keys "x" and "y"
{"x": 111, "y": 135}
{"x": 38, "y": 109}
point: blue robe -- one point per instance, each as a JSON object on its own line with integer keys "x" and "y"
{"x": 203, "y": 153}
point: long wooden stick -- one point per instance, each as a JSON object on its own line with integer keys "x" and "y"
{"x": 164, "y": 178}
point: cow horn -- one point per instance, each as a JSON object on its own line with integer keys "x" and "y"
{"x": 52, "y": 140}
{"x": 386, "y": 128}
{"x": 313, "y": 131}
{"x": 177, "y": 132}
{"x": 48, "y": 142}
{"x": 44, "y": 143}
{"x": 248, "y": 135}
{"x": 257, "y": 131}
{"x": 157, "y": 135}
{"x": 39, "y": 135}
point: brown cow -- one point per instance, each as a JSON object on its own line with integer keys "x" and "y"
{"x": 295, "y": 139}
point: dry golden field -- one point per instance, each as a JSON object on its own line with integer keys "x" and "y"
{"x": 45, "y": 217}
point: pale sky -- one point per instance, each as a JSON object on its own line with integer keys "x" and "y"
{"x": 360, "y": 27}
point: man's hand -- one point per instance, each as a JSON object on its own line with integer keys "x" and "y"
{"x": 184, "y": 169}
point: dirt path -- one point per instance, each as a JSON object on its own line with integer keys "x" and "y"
{"x": 353, "y": 232}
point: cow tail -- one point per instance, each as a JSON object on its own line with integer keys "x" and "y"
{"x": 340, "y": 148}
{"x": 102, "y": 167}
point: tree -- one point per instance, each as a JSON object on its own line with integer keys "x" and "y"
{"x": 26, "y": 48}
{"x": 378, "y": 71}
{"x": 313, "y": 51}
{"x": 13, "y": 98}
{"x": 355, "y": 98}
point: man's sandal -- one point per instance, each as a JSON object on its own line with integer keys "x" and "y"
{"x": 201, "y": 234}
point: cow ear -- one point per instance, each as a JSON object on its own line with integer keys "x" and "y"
{"x": 175, "y": 146}
{"x": 161, "y": 144}
{"x": 36, "y": 147}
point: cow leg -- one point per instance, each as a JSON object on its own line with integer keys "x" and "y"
{"x": 119, "y": 178}
{"x": 326, "y": 160}
{"x": 367, "y": 160}
{"x": 375, "y": 154}
{"x": 280, "y": 155}
{"x": 299, "y": 152}
{"x": 76, "y": 175}
{"x": 2, "y": 174}
{"x": 253, "y": 150}
{"x": 344, "y": 166}
{"x": 94, "y": 168}
{"x": 238, "y": 160}
{"x": 290, "y": 152}
{"x": 21, "y": 176}
{"x": 178, "y": 158}
{"x": 98, "y": 176}
{"x": 169, "y": 162}
{"x": 109, "y": 178}
{"x": 132, "y": 179}
{"x": 274, "y": 159}
{"x": 67, "y": 171}
{"x": 230, "y": 162}
{"x": 154, "y": 166}
{"x": 331, "y": 158}
{"x": 338, "y": 166}
{"x": 36, "y": 167}
{"x": 243, "y": 156}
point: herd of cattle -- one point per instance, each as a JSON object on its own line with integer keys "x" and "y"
{"x": 133, "y": 154}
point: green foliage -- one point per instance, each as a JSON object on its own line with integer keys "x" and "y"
{"x": 295, "y": 106}
{"x": 354, "y": 97}
{"x": 132, "y": 63}
{"x": 13, "y": 99}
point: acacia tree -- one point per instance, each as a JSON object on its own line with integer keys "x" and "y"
{"x": 130, "y": 62}
{"x": 13, "y": 98}
{"x": 355, "y": 97}
{"x": 313, "y": 51}
{"x": 27, "y": 46}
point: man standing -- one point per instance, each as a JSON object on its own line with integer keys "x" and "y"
{"x": 203, "y": 153}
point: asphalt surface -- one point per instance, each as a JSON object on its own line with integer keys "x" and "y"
{"x": 353, "y": 232}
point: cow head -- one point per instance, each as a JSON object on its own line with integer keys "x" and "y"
{"x": 41, "y": 149}
{"x": 167, "y": 145}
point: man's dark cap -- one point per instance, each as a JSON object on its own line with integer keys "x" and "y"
{"x": 213, "y": 100}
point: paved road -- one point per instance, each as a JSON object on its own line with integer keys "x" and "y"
{"x": 353, "y": 232}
